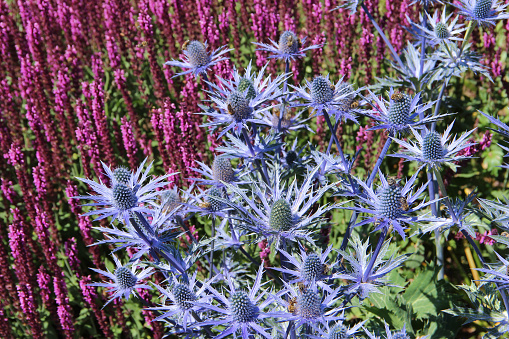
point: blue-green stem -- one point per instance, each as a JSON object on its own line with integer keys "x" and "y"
{"x": 374, "y": 256}
{"x": 261, "y": 168}
{"x": 384, "y": 37}
{"x": 334, "y": 136}
{"x": 285, "y": 87}
{"x": 211, "y": 259}
{"x": 379, "y": 161}
{"x": 435, "y": 210}
{"x": 423, "y": 42}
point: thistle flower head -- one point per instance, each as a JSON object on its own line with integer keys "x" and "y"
{"x": 242, "y": 308}
{"x": 281, "y": 215}
{"x": 246, "y": 86}
{"x": 214, "y": 204}
{"x": 289, "y": 47}
{"x": 289, "y": 43}
{"x": 399, "y": 113}
{"x": 196, "y": 58}
{"x": 483, "y": 12}
{"x": 322, "y": 91}
{"x": 441, "y": 31}
{"x": 222, "y": 170}
{"x": 238, "y": 106}
{"x": 122, "y": 175}
{"x": 323, "y": 96}
{"x": 339, "y": 331}
{"x": 309, "y": 304}
{"x": 390, "y": 202}
{"x": 184, "y": 297}
{"x": 399, "y": 108}
{"x": 313, "y": 267}
{"x": 125, "y": 280}
{"x": 197, "y": 53}
{"x": 482, "y": 8}
{"x": 434, "y": 149}
{"x": 123, "y": 197}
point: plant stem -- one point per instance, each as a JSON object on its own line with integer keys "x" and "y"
{"x": 379, "y": 161}
{"x": 372, "y": 260}
{"x": 263, "y": 171}
{"x": 211, "y": 260}
{"x": 384, "y": 37}
{"x": 340, "y": 150}
{"x": 423, "y": 44}
{"x": 439, "y": 101}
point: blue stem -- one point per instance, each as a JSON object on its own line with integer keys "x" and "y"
{"x": 423, "y": 46}
{"x": 379, "y": 161}
{"x": 263, "y": 168}
{"x": 374, "y": 256}
{"x": 340, "y": 150}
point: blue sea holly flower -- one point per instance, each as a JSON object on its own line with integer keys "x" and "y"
{"x": 338, "y": 100}
{"x": 401, "y": 334}
{"x": 311, "y": 268}
{"x": 363, "y": 283}
{"x": 124, "y": 279}
{"x": 250, "y": 84}
{"x": 281, "y": 214}
{"x": 207, "y": 203}
{"x": 433, "y": 149}
{"x": 453, "y": 60}
{"x": 440, "y": 29}
{"x": 236, "y": 148}
{"x": 284, "y": 123}
{"x": 391, "y": 204}
{"x": 399, "y": 113}
{"x": 183, "y": 298}
{"x": 308, "y": 305}
{"x": 483, "y": 12}
{"x": 196, "y": 59}
{"x": 237, "y": 106}
{"x": 290, "y": 47}
{"x": 221, "y": 171}
{"x": 242, "y": 310}
{"x": 338, "y": 331}
{"x": 127, "y": 192}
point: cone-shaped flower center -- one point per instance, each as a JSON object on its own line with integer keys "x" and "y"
{"x": 241, "y": 308}
{"x": 197, "y": 54}
{"x": 288, "y": 42}
{"x": 238, "y": 106}
{"x": 291, "y": 157}
{"x": 482, "y": 8}
{"x": 312, "y": 268}
{"x": 432, "y": 146}
{"x": 122, "y": 175}
{"x": 400, "y": 335}
{"x": 125, "y": 278}
{"x": 321, "y": 90}
{"x": 390, "y": 202}
{"x": 247, "y": 85}
{"x": 399, "y": 109}
{"x": 183, "y": 296}
{"x": 309, "y": 304}
{"x": 281, "y": 216}
{"x": 339, "y": 332}
{"x": 441, "y": 30}
{"x": 212, "y": 195}
{"x": 222, "y": 170}
{"x": 124, "y": 197}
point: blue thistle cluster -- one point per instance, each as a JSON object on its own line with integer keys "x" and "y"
{"x": 282, "y": 196}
